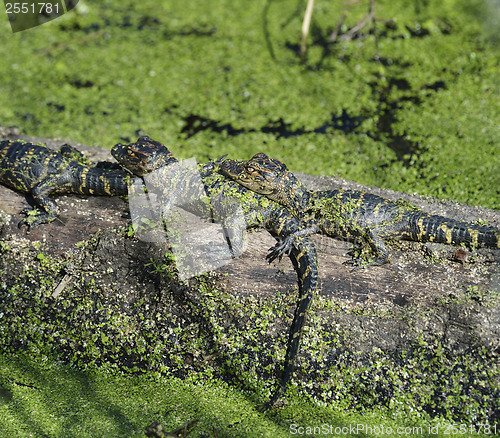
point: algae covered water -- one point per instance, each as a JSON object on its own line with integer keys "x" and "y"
{"x": 410, "y": 102}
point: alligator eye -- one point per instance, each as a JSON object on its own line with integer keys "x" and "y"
{"x": 251, "y": 169}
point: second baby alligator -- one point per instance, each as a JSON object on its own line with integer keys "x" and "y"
{"x": 146, "y": 156}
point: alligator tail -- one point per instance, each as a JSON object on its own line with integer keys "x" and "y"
{"x": 432, "y": 228}
{"x": 102, "y": 181}
{"x": 304, "y": 259}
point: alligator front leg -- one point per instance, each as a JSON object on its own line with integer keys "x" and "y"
{"x": 45, "y": 211}
{"x": 285, "y": 245}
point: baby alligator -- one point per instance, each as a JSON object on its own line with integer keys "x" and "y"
{"x": 350, "y": 214}
{"x": 39, "y": 172}
{"x": 146, "y": 156}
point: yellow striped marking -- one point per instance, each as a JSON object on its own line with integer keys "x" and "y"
{"x": 106, "y": 185}
{"x": 376, "y": 210}
{"x": 47, "y": 160}
{"x": 420, "y": 225}
{"x": 447, "y": 232}
{"x": 301, "y": 254}
{"x": 280, "y": 228}
{"x": 474, "y": 235}
{"x": 28, "y": 156}
{"x": 83, "y": 176}
{"x": 360, "y": 200}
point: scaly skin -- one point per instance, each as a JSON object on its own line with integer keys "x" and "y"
{"x": 146, "y": 155}
{"x": 352, "y": 214}
{"x": 40, "y": 172}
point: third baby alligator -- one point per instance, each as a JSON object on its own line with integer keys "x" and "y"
{"x": 350, "y": 214}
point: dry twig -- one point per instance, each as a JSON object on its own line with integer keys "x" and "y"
{"x": 305, "y": 29}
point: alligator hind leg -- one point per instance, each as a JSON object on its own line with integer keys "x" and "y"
{"x": 36, "y": 217}
{"x": 378, "y": 248}
{"x": 46, "y": 210}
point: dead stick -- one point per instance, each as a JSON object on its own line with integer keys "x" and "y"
{"x": 305, "y": 28}
{"x": 60, "y": 287}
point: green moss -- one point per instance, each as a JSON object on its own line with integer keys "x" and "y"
{"x": 61, "y": 401}
{"x": 43, "y": 399}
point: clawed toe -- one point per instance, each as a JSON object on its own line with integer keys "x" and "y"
{"x": 362, "y": 264}
{"x": 34, "y": 218}
{"x": 274, "y": 253}
{"x": 277, "y": 251}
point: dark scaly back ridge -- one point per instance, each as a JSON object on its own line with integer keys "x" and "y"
{"x": 23, "y": 163}
{"x": 272, "y": 178}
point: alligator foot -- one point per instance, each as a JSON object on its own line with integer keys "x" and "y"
{"x": 34, "y": 218}
{"x": 362, "y": 264}
{"x": 285, "y": 245}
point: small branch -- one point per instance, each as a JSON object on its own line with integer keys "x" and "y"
{"x": 305, "y": 29}
{"x": 25, "y": 385}
{"x": 367, "y": 20}
{"x": 357, "y": 31}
